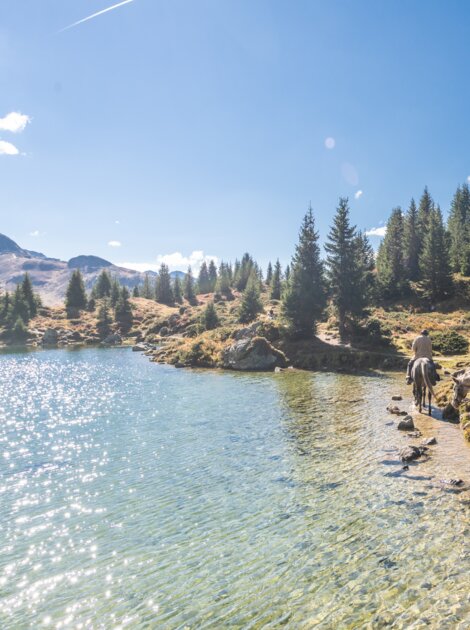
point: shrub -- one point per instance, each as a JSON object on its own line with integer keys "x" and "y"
{"x": 449, "y": 342}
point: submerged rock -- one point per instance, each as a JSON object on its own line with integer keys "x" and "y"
{"x": 409, "y": 453}
{"x": 253, "y": 354}
{"x": 429, "y": 441}
{"x": 397, "y": 397}
{"x": 452, "y": 482}
{"x": 406, "y": 424}
{"x": 396, "y": 410}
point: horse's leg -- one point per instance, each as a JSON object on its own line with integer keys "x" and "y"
{"x": 420, "y": 397}
{"x": 429, "y": 401}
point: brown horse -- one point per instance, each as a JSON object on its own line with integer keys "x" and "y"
{"x": 421, "y": 374}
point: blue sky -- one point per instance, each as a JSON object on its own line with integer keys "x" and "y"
{"x": 175, "y": 127}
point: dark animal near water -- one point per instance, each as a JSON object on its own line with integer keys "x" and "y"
{"x": 422, "y": 374}
{"x": 461, "y": 387}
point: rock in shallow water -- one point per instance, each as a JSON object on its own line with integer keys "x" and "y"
{"x": 253, "y": 354}
{"x": 409, "y": 453}
{"x": 406, "y": 424}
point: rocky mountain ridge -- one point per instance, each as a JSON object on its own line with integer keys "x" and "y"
{"x": 50, "y": 276}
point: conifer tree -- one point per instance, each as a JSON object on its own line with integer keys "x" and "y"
{"x": 123, "y": 311}
{"x": 147, "y": 289}
{"x": 115, "y": 291}
{"x": 412, "y": 243}
{"x": 5, "y": 305}
{"x": 19, "y": 307}
{"x": 102, "y": 286}
{"x": 188, "y": 286}
{"x": 436, "y": 279}
{"x": 251, "y": 302}
{"x": 343, "y": 273}
{"x": 135, "y": 291}
{"x": 276, "y": 281}
{"x": 458, "y": 225}
{"x": 75, "y": 296}
{"x": 203, "y": 281}
{"x": 223, "y": 281}
{"x": 304, "y": 297}
{"x": 29, "y": 296}
{"x": 212, "y": 275}
{"x": 426, "y": 205}
{"x": 287, "y": 273}
{"x": 210, "y": 319}
{"x": 19, "y": 331}
{"x": 366, "y": 266}
{"x": 177, "y": 291}
{"x": 245, "y": 267}
{"x": 164, "y": 291}
{"x": 269, "y": 274}
{"x": 103, "y": 325}
{"x": 391, "y": 274}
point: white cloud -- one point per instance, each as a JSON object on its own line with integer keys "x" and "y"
{"x": 358, "y": 194}
{"x": 114, "y": 243}
{"x": 7, "y": 148}
{"x": 330, "y": 143}
{"x": 34, "y": 233}
{"x": 14, "y": 122}
{"x": 468, "y": 178}
{"x": 175, "y": 261}
{"x": 378, "y": 231}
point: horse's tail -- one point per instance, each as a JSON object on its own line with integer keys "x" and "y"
{"x": 426, "y": 379}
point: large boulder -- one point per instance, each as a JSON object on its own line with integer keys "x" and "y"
{"x": 406, "y": 424}
{"x": 253, "y": 354}
{"x": 50, "y": 337}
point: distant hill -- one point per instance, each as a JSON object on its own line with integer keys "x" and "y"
{"x": 50, "y": 276}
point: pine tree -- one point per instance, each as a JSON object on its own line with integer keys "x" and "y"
{"x": 269, "y": 274}
{"x": 243, "y": 272}
{"x": 426, "y": 205}
{"x": 343, "y": 272}
{"x": 223, "y": 281}
{"x": 188, "y": 286}
{"x": 210, "y": 319}
{"x": 29, "y": 296}
{"x": 5, "y": 304}
{"x": 436, "y": 280}
{"x": 304, "y": 297}
{"x": 251, "y": 302}
{"x": 123, "y": 311}
{"x": 391, "y": 273}
{"x": 75, "y": 296}
{"x": 276, "y": 281}
{"x": 102, "y": 286}
{"x": 366, "y": 265}
{"x": 19, "y": 331}
{"x": 458, "y": 225}
{"x": 287, "y": 273}
{"x": 203, "y": 281}
{"x": 103, "y": 325}
{"x": 177, "y": 291}
{"x": 212, "y": 275}
{"x": 19, "y": 307}
{"x": 135, "y": 291}
{"x": 115, "y": 291}
{"x": 412, "y": 243}
{"x": 148, "y": 290}
{"x": 164, "y": 291}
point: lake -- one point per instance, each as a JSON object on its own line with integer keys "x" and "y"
{"x": 137, "y": 495}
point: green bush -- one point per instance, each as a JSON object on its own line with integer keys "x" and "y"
{"x": 449, "y": 342}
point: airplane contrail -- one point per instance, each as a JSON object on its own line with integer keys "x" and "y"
{"x": 90, "y": 17}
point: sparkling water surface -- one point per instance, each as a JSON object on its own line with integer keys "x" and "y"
{"x": 138, "y": 495}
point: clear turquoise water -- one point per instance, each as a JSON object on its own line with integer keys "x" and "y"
{"x": 137, "y": 495}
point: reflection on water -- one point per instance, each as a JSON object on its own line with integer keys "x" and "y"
{"x": 136, "y": 495}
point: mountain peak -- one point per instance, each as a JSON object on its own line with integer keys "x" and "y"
{"x": 89, "y": 262}
{"x": 8, "y": 246}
